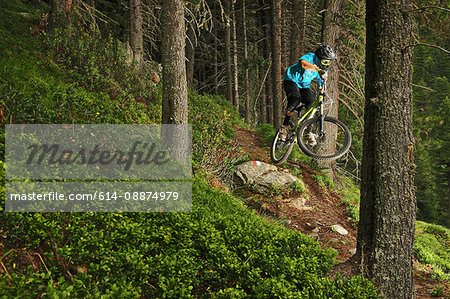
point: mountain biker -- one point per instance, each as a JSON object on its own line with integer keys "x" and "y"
{"x": 297, "y": 79}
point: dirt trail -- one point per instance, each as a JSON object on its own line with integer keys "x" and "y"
{"x": 323, "y": 209}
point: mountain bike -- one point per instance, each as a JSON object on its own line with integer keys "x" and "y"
{"x": 332, "y": 137}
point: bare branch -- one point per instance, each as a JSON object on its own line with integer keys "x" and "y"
{"x": 430, "y": 46}
{"x": 431, "y": 7}
{"x": 424, "y": 87}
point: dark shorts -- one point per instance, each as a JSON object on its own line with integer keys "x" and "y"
{"x": 296, "y": 95}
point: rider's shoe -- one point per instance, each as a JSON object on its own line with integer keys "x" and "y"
{"x": 283, "y": 132}
{"x": 310, "y": 138}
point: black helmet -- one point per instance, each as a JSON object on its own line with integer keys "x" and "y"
{"x": 325, "y": 52}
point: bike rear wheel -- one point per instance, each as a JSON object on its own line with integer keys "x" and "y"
{"x": 280, "y": 150}
{"x": 331, "y": 143}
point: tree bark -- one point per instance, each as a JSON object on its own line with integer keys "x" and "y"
{"x": 388, "y": 205}
{"x": 59, "y": 16}
{"x": 136, "y": 33}
{"x": 216, "y": 67}
{"x": 276, "y": 61}
{"x": 285, "y": 22}
{"x": 297, "y": 30}
{"x": 263, "y": 96}
{"x": 228, "y": 50}
{"x": 235, "y": 67}
{"x": 246, "y": 79}
{"x": 332, "y": 27}
{"x": 175, "y": 103}
{"x": 191, "y": 44}
{"x": 266, "y": 47}
{"x": 263, "y": 46}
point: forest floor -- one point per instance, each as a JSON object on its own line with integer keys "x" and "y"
{"x": 324, "y": 208}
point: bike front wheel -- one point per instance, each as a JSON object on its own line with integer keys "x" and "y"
{"x": 329, "y": 142}
{"x": 280, "y": 150}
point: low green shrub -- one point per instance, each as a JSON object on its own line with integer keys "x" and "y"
{"x": 267, "y": 132}
{"x": 214, "y": 148}
{"x": 350, "y": 193}
{"x": 432, "y": 246}
{"x": 221, "y": 248}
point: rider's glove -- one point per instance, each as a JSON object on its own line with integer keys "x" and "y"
{"x": 323, "y": 74}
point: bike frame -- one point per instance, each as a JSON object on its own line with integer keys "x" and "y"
{"x": 317, "y": 105}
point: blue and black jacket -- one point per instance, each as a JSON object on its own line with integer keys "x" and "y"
{"x": 297, "y": 74}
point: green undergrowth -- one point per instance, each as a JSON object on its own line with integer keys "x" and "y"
{"x": 221, "y": 249}
{"x": 432, "y": 246}
{"x": 350, "y": 193}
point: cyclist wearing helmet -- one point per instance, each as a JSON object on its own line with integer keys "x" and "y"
{"x": 297, "y": 79}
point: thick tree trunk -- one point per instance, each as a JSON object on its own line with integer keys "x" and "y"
{"x": 235, "y": 67}
{"x": 297, "y": 30}
{"x": 388, "y": 205}
{"x": 276, "y": 61}
{"x": 174, "y": 104}
{"x": 136, "y": 33}
{"x": 332, "y": 27}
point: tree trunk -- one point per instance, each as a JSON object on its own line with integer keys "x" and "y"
{"x": 235, "y": 67}
{"x": 276, "y": 61}
{"x": 388, "y": 205}
{"x": 216, "y": 67}
{"x": 175, "y": 103}
{"x": 60, "y": 10}
{"x": 228, "y": 50}
{"x": 267, "y": 46}
{"x": 297, "y": 30}
{"x": 136, "y": 33}
{"x": 285, "y": 22}
{"x": 263, "y": 96}
{"x": 332, "y": 27}
{"x": 216, "y": 54}
{"x": 246, "y": 82}
{"x": 263, "y": 46}
{"x": 191, "y": 44}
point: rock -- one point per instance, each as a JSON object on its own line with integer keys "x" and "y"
{"x": 339, "y": 229}
{"x": 287, "y": 221}
{"x": 262, "y": 176}
{"x": 352, "y": 251}
{"x": 300, "y": 204}
{"x": 249, "y": 171}
{"x": 333, "y": 241}
{"x": 316, "y": 230}
{"x": 317, "y": 222}
{"x": 315, "y": 236}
